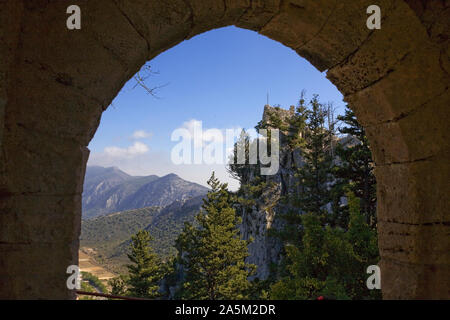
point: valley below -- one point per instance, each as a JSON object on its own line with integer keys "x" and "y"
{"x": 105, "y": 235}
{"x": 87, "y": 263}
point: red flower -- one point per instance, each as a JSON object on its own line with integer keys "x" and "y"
{"x": 320, "y": 298}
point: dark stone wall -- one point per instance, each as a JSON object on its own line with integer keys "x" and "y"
{"x": 55, "y": 83}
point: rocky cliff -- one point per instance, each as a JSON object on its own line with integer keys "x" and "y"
{"x": 264, "y": 196}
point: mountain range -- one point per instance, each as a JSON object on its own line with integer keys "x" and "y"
{"x": 116, "y": 205}
{"x": 108, "y": 190}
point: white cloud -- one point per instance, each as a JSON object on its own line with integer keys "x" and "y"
{"x": 200, "y": 135}
{"x": 195, "y": 129}
{"x": 141, "y": 134}
{"x": 192, "y": 124}
{"x": 138, "y": 148}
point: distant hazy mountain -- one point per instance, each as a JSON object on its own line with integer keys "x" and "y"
{"x": 99, "y": 179}
{"x": 108, "y": 190}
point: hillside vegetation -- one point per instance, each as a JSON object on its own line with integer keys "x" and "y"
{"x": 110, "y": 235}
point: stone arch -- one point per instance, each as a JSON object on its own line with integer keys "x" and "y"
{"x": 55, "y": 83}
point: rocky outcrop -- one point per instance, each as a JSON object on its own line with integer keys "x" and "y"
{"x": 265, "y": 206}
{"x": 261, "y": 218}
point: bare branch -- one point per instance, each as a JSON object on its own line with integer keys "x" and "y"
{"x": 142, "y": 75}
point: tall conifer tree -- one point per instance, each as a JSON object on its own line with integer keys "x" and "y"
{"x": 212, "y": 252}
{"x": 146, "y": 270}
{"x": 355, "y": 169}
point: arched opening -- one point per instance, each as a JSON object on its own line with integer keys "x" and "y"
{"x": 54, "y": 90}
{"x": 131, "y": 170}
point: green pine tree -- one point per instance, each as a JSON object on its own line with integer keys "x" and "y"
{"x": 355, "y": 171}
{"x": 118, "y": 286}
{"x": 365, "y": 248}
{"x": 316, "y": 266}
{"x": 314, "y": 176}
{"x": 297, "y": 124}
{"x": 330, "y": 261}
{"x": 211, "y": 251}
{"x": 146, "y": 271}
{"x": 238, "y": 170}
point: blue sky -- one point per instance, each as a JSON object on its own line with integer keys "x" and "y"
{"x": 221, "y": 78}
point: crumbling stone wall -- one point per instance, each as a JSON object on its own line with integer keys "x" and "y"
{"x": 55, "y": 83}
